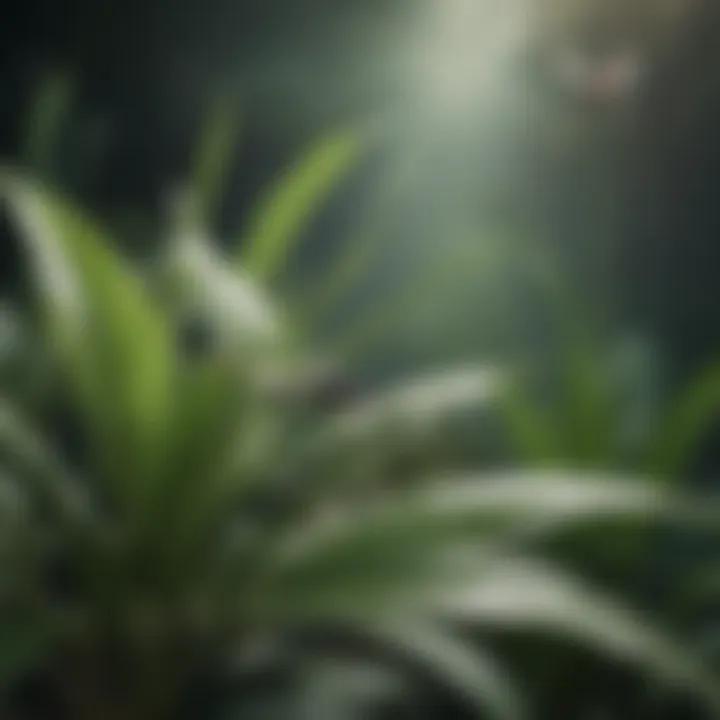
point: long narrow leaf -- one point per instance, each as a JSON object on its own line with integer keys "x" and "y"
{"x": 291, "y": 202}
{"x": 442, "y": 533}
{"x": 686, "y": 424}
{"x": 534, "y": 596}
{"x": 55, "y": 483}
{"x": 111, "y": 340}
{"x": 48, "y": 114}
{"x": 422, "y": 402}
{"x": 479, "y": 504}
{"x": 213, "y": 158}
{"x": 469, "y": 671}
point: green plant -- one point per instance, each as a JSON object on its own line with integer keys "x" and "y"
{"x": 267, "y": 242}
{"x": 200, "y": 520}
{"x": 603, "y": 418}
{"x": 603, "y": 404}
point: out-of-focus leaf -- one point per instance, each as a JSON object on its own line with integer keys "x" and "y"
{"x": 24, "y": 450}
{"x": 213, "y": 158}
{"x": 339, "y": 688}
{"x": 233, "y": 309}
{"x": 508, "y": 593}
{"x": 25, "y": 369}
{"x": 194, "y": 494}
{"x": 532, "y": 430}
{"x": 113, "y": 343}
{"x": 290, "y": 203}
{"x": 478, "y": 504}
{"x": 393, "y": 426}
{"x": 561, "y": 497}
{"x": 322, "y": 291}
{"x": 468, "y": 670}
{"x": 587, "y": 408}
{"x": 415, "y": 542}
{"x": 686, "y": 424}
{"x": 636, "y": 377}
{"x": 11, "y": 334}
{"x": 533, "y": 596}
{"x": 421, "y": 403}
{"x": 574, "y": 423}
{"x": 48, "y": 114}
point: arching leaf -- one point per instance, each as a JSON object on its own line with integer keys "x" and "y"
{"x": 290, "y": 203}
{"x": 111, "y": 341}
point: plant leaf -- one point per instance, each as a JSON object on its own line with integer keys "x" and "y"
{"x": 526, "y": 595}
{"x": 213, "y": 158}
{"x": 111, "y": 341}
{"x": 468, "y": 670}
{"x": 27, "y": 452}
{"x": 288, "y": 206}
{"x": 405, "y": 543}
{"x": 239, "y": 316}
{"x": 50, "y": 110}
{"x": 409, "y": 413}
{"x": 395, "y": 423}
{"x": 686, "y": 424}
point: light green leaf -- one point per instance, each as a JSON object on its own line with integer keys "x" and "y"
{"x": 111, "y": 341}
{"x": 290, "y": 203}
{"x": 532, "y": 430}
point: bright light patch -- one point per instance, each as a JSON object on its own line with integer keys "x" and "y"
{"x": 460, "y": 49}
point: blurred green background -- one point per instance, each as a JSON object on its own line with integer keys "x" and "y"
{"x": 348, "y": 373}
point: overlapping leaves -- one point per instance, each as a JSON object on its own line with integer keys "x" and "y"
{"x": 192, "y": 532}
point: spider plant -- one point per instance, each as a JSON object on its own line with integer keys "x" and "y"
{"x": 607, "y": 406}
{"x": 603, "y": 404}
{"x": 604, "y": 407}
{"x": 198, "y": 522}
